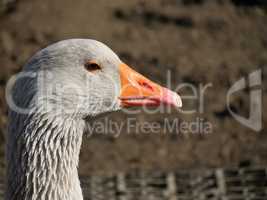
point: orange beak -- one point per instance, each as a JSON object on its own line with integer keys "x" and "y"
{"x": 137, "y": 90}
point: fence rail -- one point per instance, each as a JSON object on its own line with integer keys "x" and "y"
{"x": 220, "y": 184}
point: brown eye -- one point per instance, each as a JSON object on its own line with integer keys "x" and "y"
{"x": 92, "y": 66}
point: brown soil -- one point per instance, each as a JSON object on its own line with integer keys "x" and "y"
{"x": 212, "y": 42}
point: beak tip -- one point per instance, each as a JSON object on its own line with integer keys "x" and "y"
{"x": 177, "y": 101}
{"x": 172, "y": 98}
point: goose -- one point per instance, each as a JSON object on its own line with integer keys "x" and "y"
{"x": 60, "y": 89}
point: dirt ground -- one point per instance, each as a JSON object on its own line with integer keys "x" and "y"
{"x": 200, "y": 42}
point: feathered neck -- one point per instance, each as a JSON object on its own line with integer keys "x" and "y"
{"x": 43, "y": 156}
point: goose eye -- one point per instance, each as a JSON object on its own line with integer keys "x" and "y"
{"x": 92, "y": 66}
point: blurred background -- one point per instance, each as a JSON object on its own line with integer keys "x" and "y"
{"x": 198, "y": 41}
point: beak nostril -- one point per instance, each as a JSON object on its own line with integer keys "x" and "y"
{"x": 146, "y": 85}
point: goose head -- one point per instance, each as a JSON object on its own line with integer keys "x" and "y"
{"x": 85, "y": 78}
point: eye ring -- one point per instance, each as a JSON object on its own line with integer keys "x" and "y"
{"x": 92, "y": 66}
